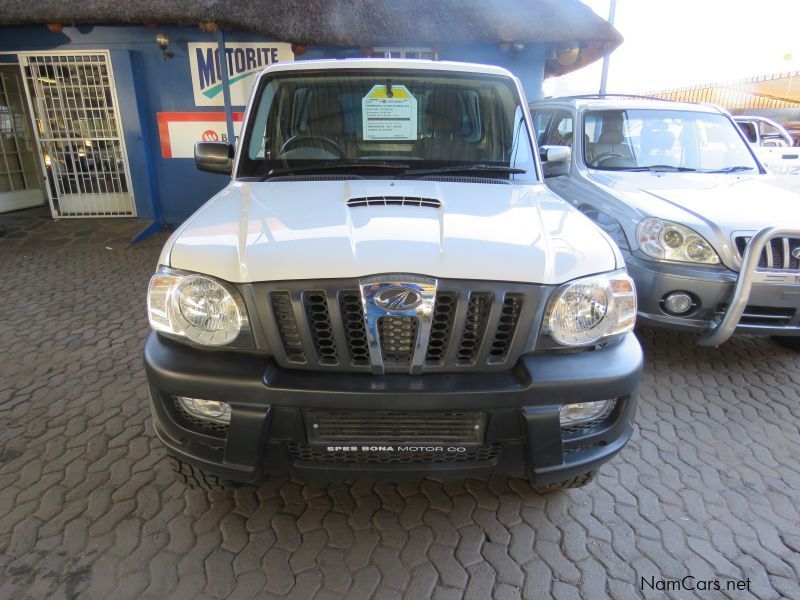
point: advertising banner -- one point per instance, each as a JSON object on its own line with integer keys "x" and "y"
{"x": 179, "y": 131}
{"x": 244, "y": 61}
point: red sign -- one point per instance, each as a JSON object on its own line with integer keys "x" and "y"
{"x": 179, "y": 131}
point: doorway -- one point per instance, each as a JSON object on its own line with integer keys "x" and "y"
{"x": 20, "y": 179}
{"x": 79, "y": 136}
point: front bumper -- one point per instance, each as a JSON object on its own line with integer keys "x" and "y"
{"x": 269, "y": 406}
{"x": 773, "y": 308}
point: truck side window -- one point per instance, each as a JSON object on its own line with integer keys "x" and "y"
{"x": 541, "y": 121}
{"x": 749, "y": 130}
{"x": 561, "y": 130}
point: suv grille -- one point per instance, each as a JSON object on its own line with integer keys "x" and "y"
{"x": 395, "y": 426}
{"x": 777, "y": 253}
{"x": 474, "y": 326}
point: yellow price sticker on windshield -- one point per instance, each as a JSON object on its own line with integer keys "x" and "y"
{"x": 389, "y": 112}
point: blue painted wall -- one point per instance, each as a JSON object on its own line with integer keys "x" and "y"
{"x": 147, "y": 84}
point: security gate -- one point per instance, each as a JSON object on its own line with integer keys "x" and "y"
{"x": 73, "y": 102}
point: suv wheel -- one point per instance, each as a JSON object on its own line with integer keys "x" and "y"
{"x": 567, "y": 484}
{"x": 196, "y": 479}
{"x": 789, "y": 342}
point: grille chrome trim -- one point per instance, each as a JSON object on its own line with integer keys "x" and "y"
{"x": 345, "y": 318}
{"x": 371, "y": 289}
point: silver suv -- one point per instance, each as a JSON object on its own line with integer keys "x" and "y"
{"x": 712, "y": 246}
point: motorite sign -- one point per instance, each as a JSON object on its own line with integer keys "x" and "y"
{"x": 179, "y": 131}
{"x": 244, "y": 60}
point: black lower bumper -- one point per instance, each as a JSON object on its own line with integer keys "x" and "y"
{"x": 269, "y": 428}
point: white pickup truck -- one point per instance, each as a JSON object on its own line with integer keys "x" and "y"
{"x": 386, "y": 288}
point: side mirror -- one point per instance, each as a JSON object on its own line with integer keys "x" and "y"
{"x": 555, "y": 160}
{"x": 215, "y": 157}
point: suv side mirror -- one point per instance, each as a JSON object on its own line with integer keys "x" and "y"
{"x": 215, "y": 157}
{"x": 555, "y": 160}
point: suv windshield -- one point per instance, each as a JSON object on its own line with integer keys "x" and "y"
{"x": 668, "y": 140}
{"x": 379, "y": 122}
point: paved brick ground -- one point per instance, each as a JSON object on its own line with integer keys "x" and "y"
{"x": 709, "y": 486}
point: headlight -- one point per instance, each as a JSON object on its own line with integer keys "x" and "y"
{"x": 586, "y": 310}
{"x": 197, "y": 307}
{"x": 666, "y": 240}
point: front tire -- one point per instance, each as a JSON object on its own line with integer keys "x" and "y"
{"x": 568, "y": 484}
{"x": 789, "y": 342}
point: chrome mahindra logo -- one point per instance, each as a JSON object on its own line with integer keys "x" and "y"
{"x": 796, "y": 253}
{"x": 398, "y": 298}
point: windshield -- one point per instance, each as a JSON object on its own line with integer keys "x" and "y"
{"x": 395, "y": 122}
{"x": 626, "y": 140}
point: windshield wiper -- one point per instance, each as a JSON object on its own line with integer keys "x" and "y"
{"x": 480, "y": 167}
{"x": 334, "y": 165}
{"x": 735, "y": 169}
{"x": 660, "y": 168}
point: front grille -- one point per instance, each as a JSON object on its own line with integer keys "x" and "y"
{"x": 768, "y": 316}
{"x": 441, "y": 328}
{"x": 395, "y": 426}
{"x": 474, "y": 327}
{"x": 316, "y": 304}
{"x": 302, "y": 452}
{"x": 398, "y": 337}
{"x": 354, "y": 328}
{"x": 777, "y": 254}
{"x": 287, "y": 325}
{"x": 321, "y": 325}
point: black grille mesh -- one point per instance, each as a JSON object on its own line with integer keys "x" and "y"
{"x": 316, "y": 304}
{"x": 355, "y": 332}
{"x": 312, "y": 454}
{"x": 395, "y": 426}
{"x": 398, "y": 336}
{"x": 509, "y": 317}
{"x": 474, "y": 327}
{"x": 780, "y": 259}
{"x": 441, "y": 327}
{"x": 287, "y": 326}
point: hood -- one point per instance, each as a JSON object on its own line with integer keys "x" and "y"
{"x": 272, "y": 231}
{"x": 723, "y": 202}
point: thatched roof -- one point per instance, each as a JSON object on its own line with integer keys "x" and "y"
{"x": 348, "y": 22}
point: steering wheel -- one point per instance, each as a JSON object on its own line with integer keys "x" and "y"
{"x": 311, "y": 140}
{"x": 603, "y": 158}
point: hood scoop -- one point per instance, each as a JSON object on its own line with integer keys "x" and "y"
{"x": 394, "y": 201}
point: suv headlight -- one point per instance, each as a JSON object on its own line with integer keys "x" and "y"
{"x": 589, "y": 309}
{"x": 666, "y": 240}
{"x": 197, "y": 307}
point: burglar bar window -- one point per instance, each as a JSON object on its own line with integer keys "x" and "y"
{"x": 406, "y": 52}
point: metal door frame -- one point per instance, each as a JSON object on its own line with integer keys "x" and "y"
{"x": 28, "y": 123}
{"x": 23, "y": 62}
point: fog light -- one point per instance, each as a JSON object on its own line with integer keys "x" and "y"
{"x": 585, "y": 412}
{"x": 210, "y": 410}
{"x": 677, "y": 303}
